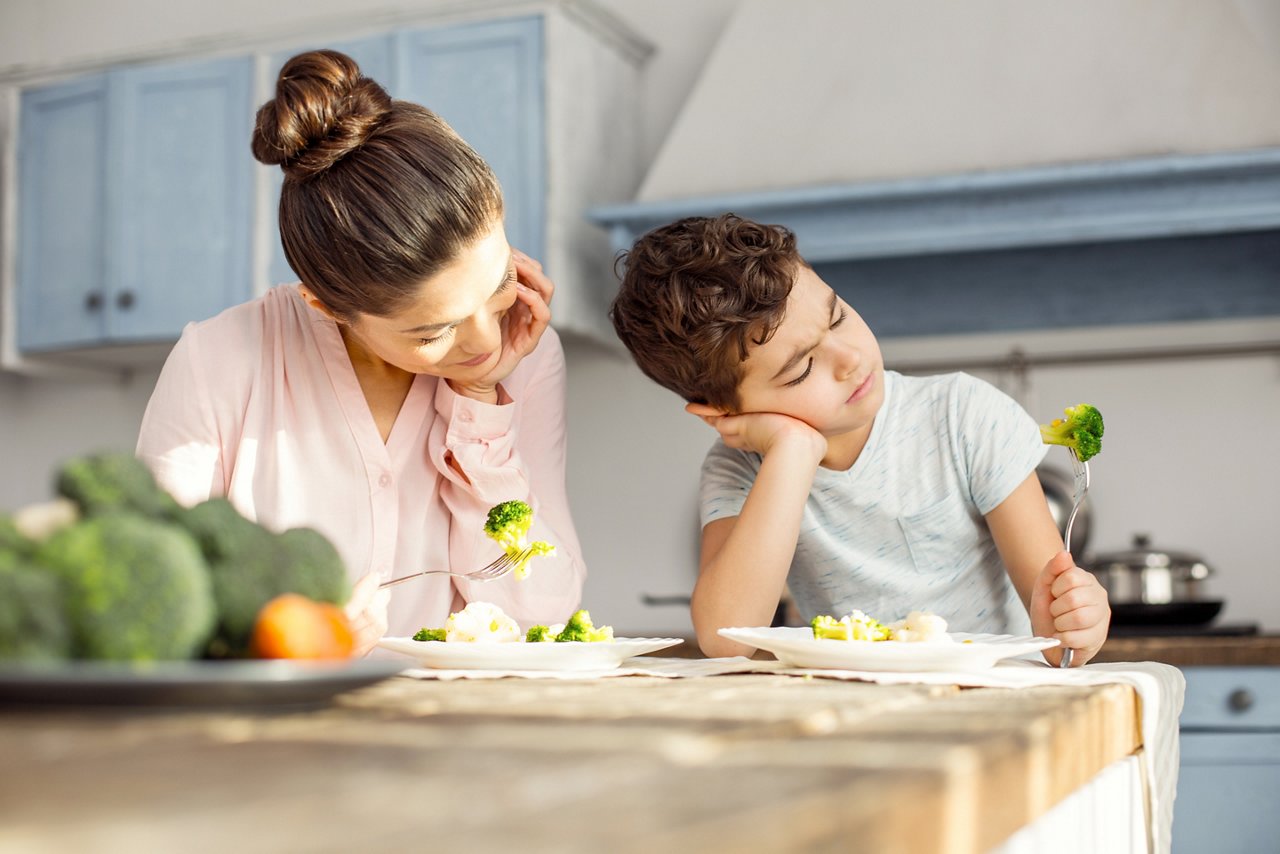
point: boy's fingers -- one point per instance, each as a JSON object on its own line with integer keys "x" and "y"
{"x": 1073, "y": 579}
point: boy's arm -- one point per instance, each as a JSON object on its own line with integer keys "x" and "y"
{"x": 1063, "y": 600}
{"x": 745, "y": 559}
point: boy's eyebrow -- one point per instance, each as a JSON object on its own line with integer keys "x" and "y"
{"x": 802, "y": 351}
{"x": 431, "y": 327}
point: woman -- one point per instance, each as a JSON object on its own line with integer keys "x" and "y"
{"x": 407, "y": 384}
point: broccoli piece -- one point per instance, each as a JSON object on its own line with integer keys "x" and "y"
{"x": 429, "y": 635}
{"x": 855, "y": 626}
{"x": 136, "y": 589}
{"x": 536, "y": 634}
{"x": 1081, "y": 431}
{"x": 33, "y": 622}
{"x": 581, "y": 629}
{"x": 12, "y": 540}
{"x": 110, "y": 482}
{"x": 508, "y": 525}
{"x": 250, "y": 566}
{"x": 829, "y": 627}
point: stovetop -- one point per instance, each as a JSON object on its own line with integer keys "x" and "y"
{"x": 1225, "y": 630}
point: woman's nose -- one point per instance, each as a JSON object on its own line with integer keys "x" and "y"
{"x": 482, "y": 333}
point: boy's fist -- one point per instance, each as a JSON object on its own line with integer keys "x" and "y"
{"x": 759, "y": 432}
{"x": 1068, "y": 603}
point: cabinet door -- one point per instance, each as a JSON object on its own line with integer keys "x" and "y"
{"x": 375, "y": 56}
{"x": 181, "y": 223}
{"x": 1227, "y": 785}
{"x": 62, "y": 173}
{"x": 486, "y": 80}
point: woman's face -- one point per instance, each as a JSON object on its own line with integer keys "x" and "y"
{"x": 453, "y": 328}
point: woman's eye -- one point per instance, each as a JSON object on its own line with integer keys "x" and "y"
{"x": 839, "y": 320}
{"x": 804, "y": 376}
{"x": 423, "y": 342}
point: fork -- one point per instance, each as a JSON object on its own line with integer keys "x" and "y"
{"x": 1080, "y": 473}
{"x": 500, "y": 567}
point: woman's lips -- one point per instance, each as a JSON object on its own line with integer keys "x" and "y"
{"x": 862, "y": 390}
{"x": 478, "y": 360}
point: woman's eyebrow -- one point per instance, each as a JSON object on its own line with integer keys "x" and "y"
{"x": 431, "y": 327}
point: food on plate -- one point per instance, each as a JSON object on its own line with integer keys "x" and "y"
{"x": 916, "y": 627}
{"x": 293, "y": 626}
{"x": 482, "y": 622}
{"x": 116, "y": 569}
{"x": 508, "y": 525}
{"x": 1080, "y": 430}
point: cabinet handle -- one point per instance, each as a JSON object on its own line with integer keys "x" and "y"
{"x": 1240, "y": 700}
{"x": 93, "y": 300}
{"x": 125, "y": 300}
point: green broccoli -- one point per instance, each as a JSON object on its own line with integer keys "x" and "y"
{"x": 33, "y": 622}
{"x": 580, "y": 628}
{"x": 136, "y": 589}
{"x": 1081, "y": 431}
{"x": 110, "y": 482}
{"x": 250, "y": 566}
{"x": 508, "y": 524}
{"x": 856, "y": 626}
{"x": 537, "y": 634}
{"x": 13, "y": 540}
{"x": 429, "y": 635}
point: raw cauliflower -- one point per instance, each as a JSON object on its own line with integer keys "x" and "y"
{"x": 481, "y": 622}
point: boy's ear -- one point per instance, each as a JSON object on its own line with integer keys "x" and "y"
{"x": 704, "y": 410}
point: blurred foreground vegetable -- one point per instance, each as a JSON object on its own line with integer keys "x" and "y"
{"x": 293, "y": 626}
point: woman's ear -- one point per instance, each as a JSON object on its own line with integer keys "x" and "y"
{"x": 314, "y": 301}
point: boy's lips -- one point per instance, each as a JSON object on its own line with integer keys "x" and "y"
{"x": 863, "y": 388}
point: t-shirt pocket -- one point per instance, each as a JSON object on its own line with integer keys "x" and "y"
{"x": 931, "y": 537}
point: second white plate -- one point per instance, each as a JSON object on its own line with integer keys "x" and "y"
{"x": 525, "y": 656}
{"x": 797, "y": 647}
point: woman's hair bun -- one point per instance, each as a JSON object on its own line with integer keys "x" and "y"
{"x": 323, "y": 110}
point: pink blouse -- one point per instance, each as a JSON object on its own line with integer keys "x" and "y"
{"x": 261, "y": 404}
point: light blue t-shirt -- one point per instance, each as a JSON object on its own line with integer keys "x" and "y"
{"x": 903, "y": 528}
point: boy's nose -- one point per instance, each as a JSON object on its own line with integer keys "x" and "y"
{"x": 848, "y": 361}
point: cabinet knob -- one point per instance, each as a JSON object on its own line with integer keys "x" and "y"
{"x": 1240, "y": 700}
{"x": 124, "y": 300}
{"x": 93, "y": 300}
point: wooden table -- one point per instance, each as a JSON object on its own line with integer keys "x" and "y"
{"x": 730, "y": 763}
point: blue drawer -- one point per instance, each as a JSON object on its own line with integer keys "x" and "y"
{"x": 1232, "y": 698}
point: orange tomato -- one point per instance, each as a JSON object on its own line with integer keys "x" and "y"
{"x": 293, "y": 626}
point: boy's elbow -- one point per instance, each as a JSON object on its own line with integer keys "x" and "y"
{"x": 718, "y": 647}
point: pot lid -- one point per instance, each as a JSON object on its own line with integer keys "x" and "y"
{"x": 1143, "y": 555}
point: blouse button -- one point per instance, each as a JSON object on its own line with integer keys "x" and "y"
{"x": 466, "y": 417}
{"x": 385, "y": 480}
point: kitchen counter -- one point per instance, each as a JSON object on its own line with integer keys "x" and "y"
{"x": 743, "y": 762}
{"x": 1192, "y": 651}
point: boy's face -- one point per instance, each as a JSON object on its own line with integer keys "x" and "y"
{"x": 822, "y": 365}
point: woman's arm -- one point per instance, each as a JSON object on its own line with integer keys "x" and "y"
{"x": 1063, "y": 600}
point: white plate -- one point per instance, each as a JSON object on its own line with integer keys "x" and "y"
{"x": 602, "y": 655}
{"x": 798, "y": 648}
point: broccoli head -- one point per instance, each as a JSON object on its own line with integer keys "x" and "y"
{"x": 429, "y": 635}
{"x": 251, "y": 565}
{"x": 114, "y": 482}
{"x": 1080, "y": 430}
{"x": 537, "y": 634}
{"x": 508, "y": 523}
{"x": 33, "y": 622}
{"x": 855, "y": 626}
{"x": 12, "y": 540}
{"x": 135, "y": 589}
{"x": 580, "y": 628}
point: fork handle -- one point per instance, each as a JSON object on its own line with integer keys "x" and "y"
{"x": 393, "y": 582}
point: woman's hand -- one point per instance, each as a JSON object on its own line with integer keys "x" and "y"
{"x": 522, "y": 327}
{"x": 366, "y": 613}
{"x": 1069, "y": 603}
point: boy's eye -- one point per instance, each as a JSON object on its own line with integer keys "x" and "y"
{"x": 839, "y": 320}
{"x": 804, "y": 376}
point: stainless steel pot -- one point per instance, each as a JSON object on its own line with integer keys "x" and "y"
{"x": 1059, "y": 491}
{"x": 1151, "y": 576}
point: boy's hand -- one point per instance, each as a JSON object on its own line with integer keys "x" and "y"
{"x": 759, "y": 432}
{"x": 1068, "y": 603}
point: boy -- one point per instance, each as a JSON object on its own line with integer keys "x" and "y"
{"x": 861, "y": 487}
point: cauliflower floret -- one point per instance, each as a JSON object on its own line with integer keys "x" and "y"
{"x": 481, "y": 622}
{"x": 920, "y": 626}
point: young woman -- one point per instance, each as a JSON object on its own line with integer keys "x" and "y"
{"x": 409, "y": 381}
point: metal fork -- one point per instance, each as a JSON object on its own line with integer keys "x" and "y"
{"x": 500, "y": 567}
{"x": 1080, "y": 472}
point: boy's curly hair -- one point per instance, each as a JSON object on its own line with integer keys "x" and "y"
{"x": 696, "y": 294}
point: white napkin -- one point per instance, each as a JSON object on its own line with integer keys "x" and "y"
{"x": 642, "y": 665}
{"x": 1160, "y": 688}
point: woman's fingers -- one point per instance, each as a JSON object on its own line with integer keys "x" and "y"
{"x": 529, "y": 272}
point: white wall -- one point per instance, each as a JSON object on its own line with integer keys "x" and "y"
{"x": 634, "y": 454}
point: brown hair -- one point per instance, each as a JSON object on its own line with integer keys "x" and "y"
{"x": 697, "y": 294}
{"x": 378, "y": 194}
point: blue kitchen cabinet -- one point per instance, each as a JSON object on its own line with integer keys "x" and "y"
{"x": 135, "y": 203}
{"x": 486, "y": 80}
{"x": 1230, "y": 766}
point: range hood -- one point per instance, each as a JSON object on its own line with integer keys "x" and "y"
{"x": 947, "y": 194}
